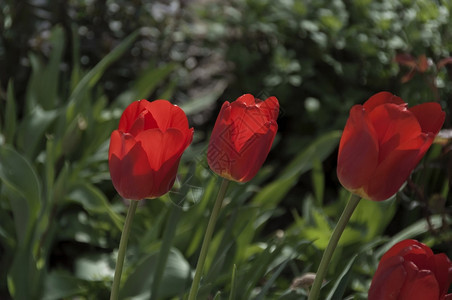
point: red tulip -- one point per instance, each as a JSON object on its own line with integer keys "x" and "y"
{"x": 382, "y": 142}
{"x": 146, "y": 149}
{"x": 410, "y": 271}
{"x": 242, "y": 137}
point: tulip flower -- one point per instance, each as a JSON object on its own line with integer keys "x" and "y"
{"x": 410, "y": 271}
{"x": 239, "y": 144}
{"x": 146, "y": 148}
{"x": 382, "y": 142}
{"x": 242, "y": 137}
{"x": 143, "y": 158}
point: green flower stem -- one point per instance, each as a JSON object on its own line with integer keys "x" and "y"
{"x": 334, "y": 239}
{"x": 168, "y": 237}
{"x": 207, "y": 238}
{"x": 122, "y": 249}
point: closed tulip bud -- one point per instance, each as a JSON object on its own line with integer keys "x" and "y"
{"x": 146, "y": 148}
{"x": 242, "y": 137}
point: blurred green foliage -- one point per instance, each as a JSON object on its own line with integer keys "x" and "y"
{"x": 69, "y": 68}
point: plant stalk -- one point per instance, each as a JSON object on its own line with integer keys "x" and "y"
{"x": 207, "y": 238}
{"x": 334, "y": 239}
{"x": 122, "y": 249}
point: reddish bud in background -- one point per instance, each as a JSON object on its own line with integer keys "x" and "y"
{"x": 419, "y": 64}
{"x": 242, "y": 137}
{"x": 146, "y": 148}
{"x": 382, "y": 142}
{"x": 410, "y": 271}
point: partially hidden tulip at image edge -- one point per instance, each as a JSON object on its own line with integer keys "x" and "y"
{"x": 411, "y": 271}
{"x": 146, "y": 148}
{"x": 242, "y": 137}
{"x": 383, "y": 141}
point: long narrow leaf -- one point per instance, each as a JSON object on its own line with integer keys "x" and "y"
{"x": 10, "y": 116}
{"x": 270, "y": 282}
{"x": 411, "y": 231}
{"x": 339, "y": 287}
{"x": 17, "y": 174}
{"x": 44, "y": 82}
{"x": 93, "y": 76}
{"x": 233, "y": 283}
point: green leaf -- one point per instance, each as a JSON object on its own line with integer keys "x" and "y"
{"x": 320, "y": 149}
{"x": 24, "y": 278}
{"x": 320, "y": 231}
{"x": 176, "y": 277}
{"x": 23, "y": 188}
{"x": 59, "y": 285}
{"x": 76, "y": 72}
{"x": 410, "y": 232}
{"x": 374, "y": 216}
{"x": 318, "y": 181}
{"x": 206, "y": 99}
{"x": 93, "y": 267}
{"x": 93, "y": 76}
{"x": 269, "y": 196}
{"x": 337, "y": 291}
{"x": 167, "y": 241}
{"x": 44, "y": 82}
{"x": 194, "y": 231}
{"x": 146, "y": 83}
{"x": 233, "y": 283}
{"x": 257, "y": 269}
{"x": 32, "y": 129}
{"x": 10, "y": 115}
{"x": 94, "y": 201}
{"x": 269, "y": 283}
{"x": 7, "y": 236}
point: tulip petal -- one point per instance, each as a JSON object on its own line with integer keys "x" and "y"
{"x": 394, "y": 125}
{"x": 143, "y": 122}
{"x": 242, "y": 137}
{"x": 144, "y": 158}
{"x": 440, "y": 265}
{"x": 358, "y": 150}
{"x": 130, "y": 174}
{"x": 168, "y": 115}
{"x": 403, "y": 247}
{"x": 253, "y": 154}
{"x": 391, "y": 174}
{"x": 245, "y": 122}
{"x": 161, "y": 146}
{"x": 246, "y": 99}
{"x": 419, "y": 284}
{"x": 167, "y": 175}
{"x": 388, "y": 279}
{"x": 426, "y": 276}
{"x": 132, "y": 113}
{"x": 382, "y": 98}
{"x": 221, "y": 149}
{"x": 120, "y": 144}
{"x": 430, "y": 116}
{"x": 269, "y": 107}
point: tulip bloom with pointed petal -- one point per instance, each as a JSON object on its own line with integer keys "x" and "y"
{"x": 242, "y": 137}
{"x": 410, "y": 271}
{"x": 146, "y": 148}
{"x": 382, "y": 142}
